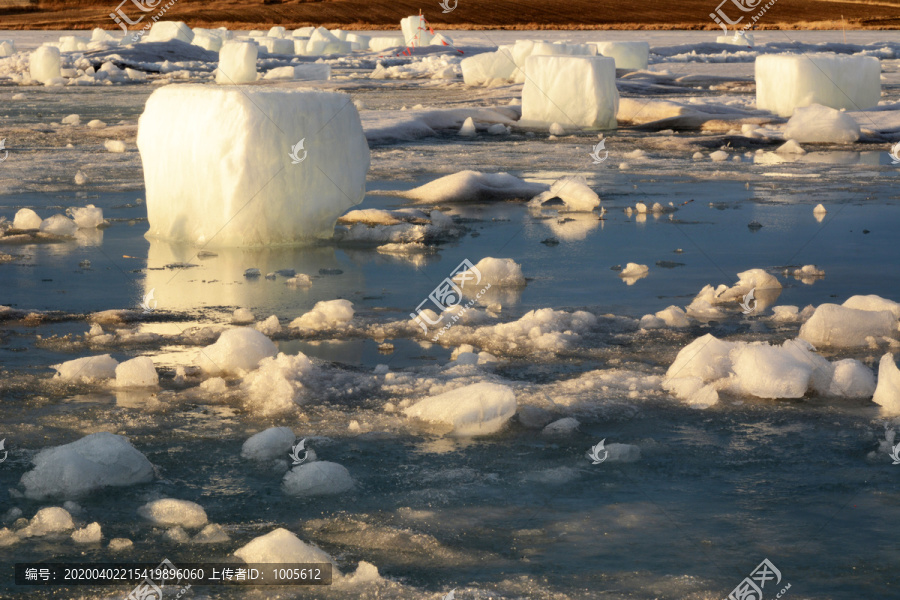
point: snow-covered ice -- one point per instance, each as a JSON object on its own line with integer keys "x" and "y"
{"x": 318, "y": 478}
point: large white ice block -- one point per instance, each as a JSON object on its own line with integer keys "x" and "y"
{"x": 416, "y": 31}
{"x": 221, "y": 168}
{"x": 488, "y": 66}
{"x": 381, "y": 43}
{"x": 165, "y": 31}
{"x": 44, "y": 64}
{"x": 237, "y": 62}
{"x": 786, "y": 81}
{"x": 574, "y": 91}
{"x": 628, "y": 55}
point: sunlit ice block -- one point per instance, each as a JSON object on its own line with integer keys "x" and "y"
{"x": 574, "y": 91}
{"x": 787, "y": 81}
{"x": 628, "y": 55}
{"x": 224, "y": 165}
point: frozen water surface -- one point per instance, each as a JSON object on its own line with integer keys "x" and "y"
{"x": 807, "y": 483}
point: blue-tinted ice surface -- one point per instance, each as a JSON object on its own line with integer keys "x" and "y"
{"x": 805, "y": 483}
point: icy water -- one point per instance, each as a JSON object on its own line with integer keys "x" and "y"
{"x": 805, "y": 483}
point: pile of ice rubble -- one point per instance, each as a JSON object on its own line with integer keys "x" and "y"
{"x": 78, "y": 220}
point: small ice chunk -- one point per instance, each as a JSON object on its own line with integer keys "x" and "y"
{"x": 87, "y": 369}
{"x": 52, "y": 519}
{"x": 211, "y": 534}
{"x": 474, "y": 186}
{"x": 283, "y": 547}
{"x": 628, "y": 55}
{"x": 278, "y": 382}
{"x": 44, "y": 64}
{"x": 59, "y": 225}
{"x": 499, "y": 272}
{"x": 96, "y": 124}
{"x": 214, "y": 385}
{"x": 114, "y": 146}
{"x": 165, "y": 31}
{"x": 887, "y": 394}
{"x": 71, "y": 120}
{"x": 839, "y": 326}
{"x": 819, "y": 210}
{"x": 319, "y": 478}
{"x": 468, "y": 128}
{"x": 242, "y": 316}
{"x": 87, "y": 217}
{"x": 634, "y": 270}
{"x": 236, "y": 350}
{"x": 95, "y": 461}
{"x": 120, "y": 544}
{"x": 27, "y": 219}
{"x": 488, "y": 67}
{"x": 564, "y": 426}
{"x": 718, "y": 156}
{"x": 138, "y": 372}
{"x": 574, "y": 193}
{"x": 820, "y": 124}
{"x": 80, "y": 178}
{"x": 790, "y": 147}
{"x": 169, "y": 512}
{"x": 498, "y": 129}
{"x": 557, "y": 129}
{"x": 623, "y": 452}
{"x": 478, "y": 409}
{"x": 90, "y": 534}
{"x": 177, "y": 535}
{"x": 852, "y": 379}
{"x": 272, "y": 443}
{"x": 327, "y": 314}
{"x": 270, "y": 326}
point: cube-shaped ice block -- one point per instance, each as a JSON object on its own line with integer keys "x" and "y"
{"x": 416, "y": 31}
{"x": 239, "y": 166}
{"x": 237, "y": 63}
{"x": 786, "y": 81}
{"x": 44, "y": 64}
{"x": 574, "y": 91}
{"x": 628, "y": 55}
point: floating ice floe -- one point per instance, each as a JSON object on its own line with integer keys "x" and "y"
{"x": 576, "y": 91}
{"x": 87, "y": 369}
{"x": 840, "y": 326}
{"x": 47, "y": 521}
{"x": 788, "y": 81}
{"x": 633, "y": 272}
{"x": 573, "y": 192}
{"x": 319, "y": 478}
{"x": 327, "y": 314}
{"x": 500, "y": 272}
{"x": 478, "y": 409}
{"x": 874, "y": 303}
{"x": 59, "y": 225}
{"x": 820, "y": 124}
{"x": 170, "y": 512}
{"x": 87, "y": 217}
{"x": 887, "y": 394}
{"x": 672, "y": 316}
{"x": 269, "y": 444}
{"x": 94, "y": 462}
{"x": 89, "y": 534}
{"x": 474, "y": 186}
{"x": 138, "y": 372}
{"x": 765, "y": 287}
{"x": 288, "y": 144}
{"x": 236, "y": 350}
